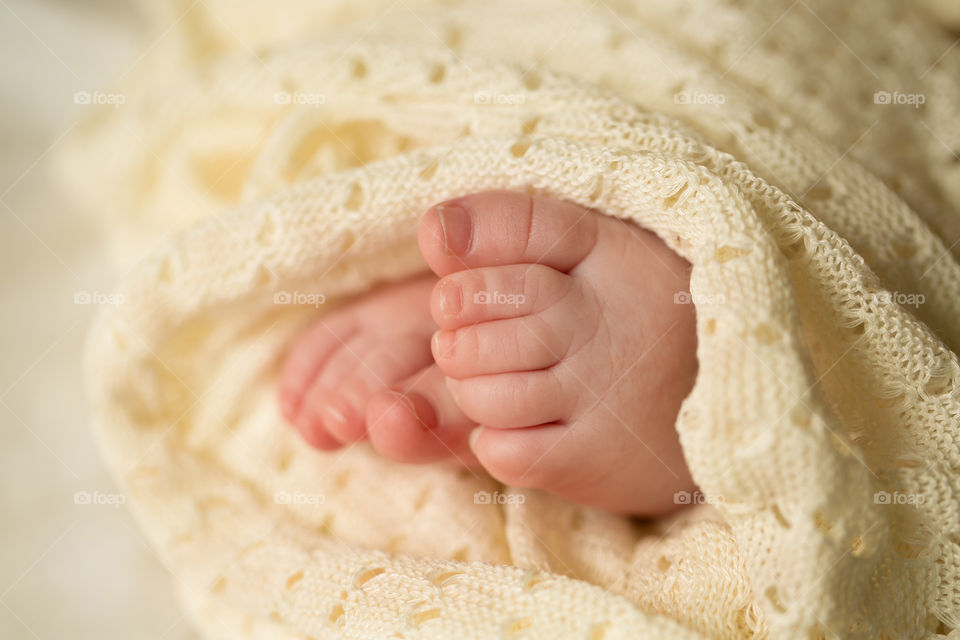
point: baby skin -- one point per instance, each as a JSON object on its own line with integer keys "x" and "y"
{"x": 547, "y": 348}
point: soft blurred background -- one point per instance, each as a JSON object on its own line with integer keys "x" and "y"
{"x": 73, "y": 563}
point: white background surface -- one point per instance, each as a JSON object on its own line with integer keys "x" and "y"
{"x": 66, "y": 570}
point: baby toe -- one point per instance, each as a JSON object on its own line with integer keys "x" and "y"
{"x": 495, "y": 293}
{"x": 505, "y": 227}
{"x": 314, "y": 413}
{"x": 534, "y": 457}
{"x": 513, "y": 400}
{"x": 306, "y": 358}
{"x": 502, "y": 346}
{"x": 419, "y": 421}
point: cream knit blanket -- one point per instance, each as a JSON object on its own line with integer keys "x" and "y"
{"x": 272, "y": 153}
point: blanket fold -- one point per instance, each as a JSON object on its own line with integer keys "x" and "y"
{"x": 823, "y": 425}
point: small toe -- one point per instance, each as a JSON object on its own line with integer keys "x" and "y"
{"x": 381, "y": 367}
{"x": 311, "y": 423}
{"x": 419, "y": 422}
{"x": 502, "y": 346}
{"x": 306, "y": 357}
{"x": 513, "y": 400}
{"x": 496, "y": 293}
{"x": 531, "y": 457}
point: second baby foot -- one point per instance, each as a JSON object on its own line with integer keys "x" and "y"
{"x": 364, "y": 371}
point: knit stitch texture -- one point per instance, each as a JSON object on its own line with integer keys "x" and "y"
{"x": 262, "y": 154}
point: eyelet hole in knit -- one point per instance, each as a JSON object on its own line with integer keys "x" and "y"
{"x": 905, "y": 250}
{"x": 599, "y": 631}
{"x": 778, "y": 514}
{"x": 266, "y": 232}
{"x": 165, "y": 273}
{"x": 294, "y": 579}
{"x": 764, "y": 119}
{"x": 663, "y": 564}
{"x": 858, "y": 547}
{"x": 774, "y": 597}
{"x": 422, "y": 498}
{"x": 615, "y": 41}
{"x": 671, "y": 201}
{"x": 263, "y": 276}
{"x": 519, "y": 148}
{"x": 454, "y": 37}
{"x": 597, "y": 189}
{"x": 443, "y": 578}
{"x": 800, "y": 416}
{"x": 766, "y": 334}
{"x": 517, "y": 626}
{"x": 366, "y": 576}
{"x": 938, "y": 385}
{"x": 223, "y": 174}
{"x": 426, "y": 615}
{"x": 355, "y": 198}
{"x": 533, "y": 580}
{"x": 532, "y": 80}
{"x": 429, "y": 170}
{"x": 818, "y": 191}
{"x": 283, "y": 460}
{"x": 817, "y": 633}
{"x": 358, "y": 68}
{"x": 342, "y": 479}
{"x": 727, "y": 253}
{"x": 821, "y": 522}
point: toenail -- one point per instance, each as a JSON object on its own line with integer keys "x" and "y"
{"x": 451, "y": 385}
{"x": 421, "y": 410}
{"x": 331, "y": 415}
{"x": 444, "y": 344}
{"x": 402, "y": 397}
{"x": 455, "y": 224}
{"x": 451, "y": 299}
{"x": 472, "y": 439}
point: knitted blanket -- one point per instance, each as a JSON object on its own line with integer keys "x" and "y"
{"x": 273, "y": 163}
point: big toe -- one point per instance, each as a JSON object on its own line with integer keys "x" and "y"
{"x": 505, "y": 227}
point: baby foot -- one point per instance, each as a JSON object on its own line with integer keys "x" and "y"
{"x": 374, "y": 354}
{"x": 560, "y": 335}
